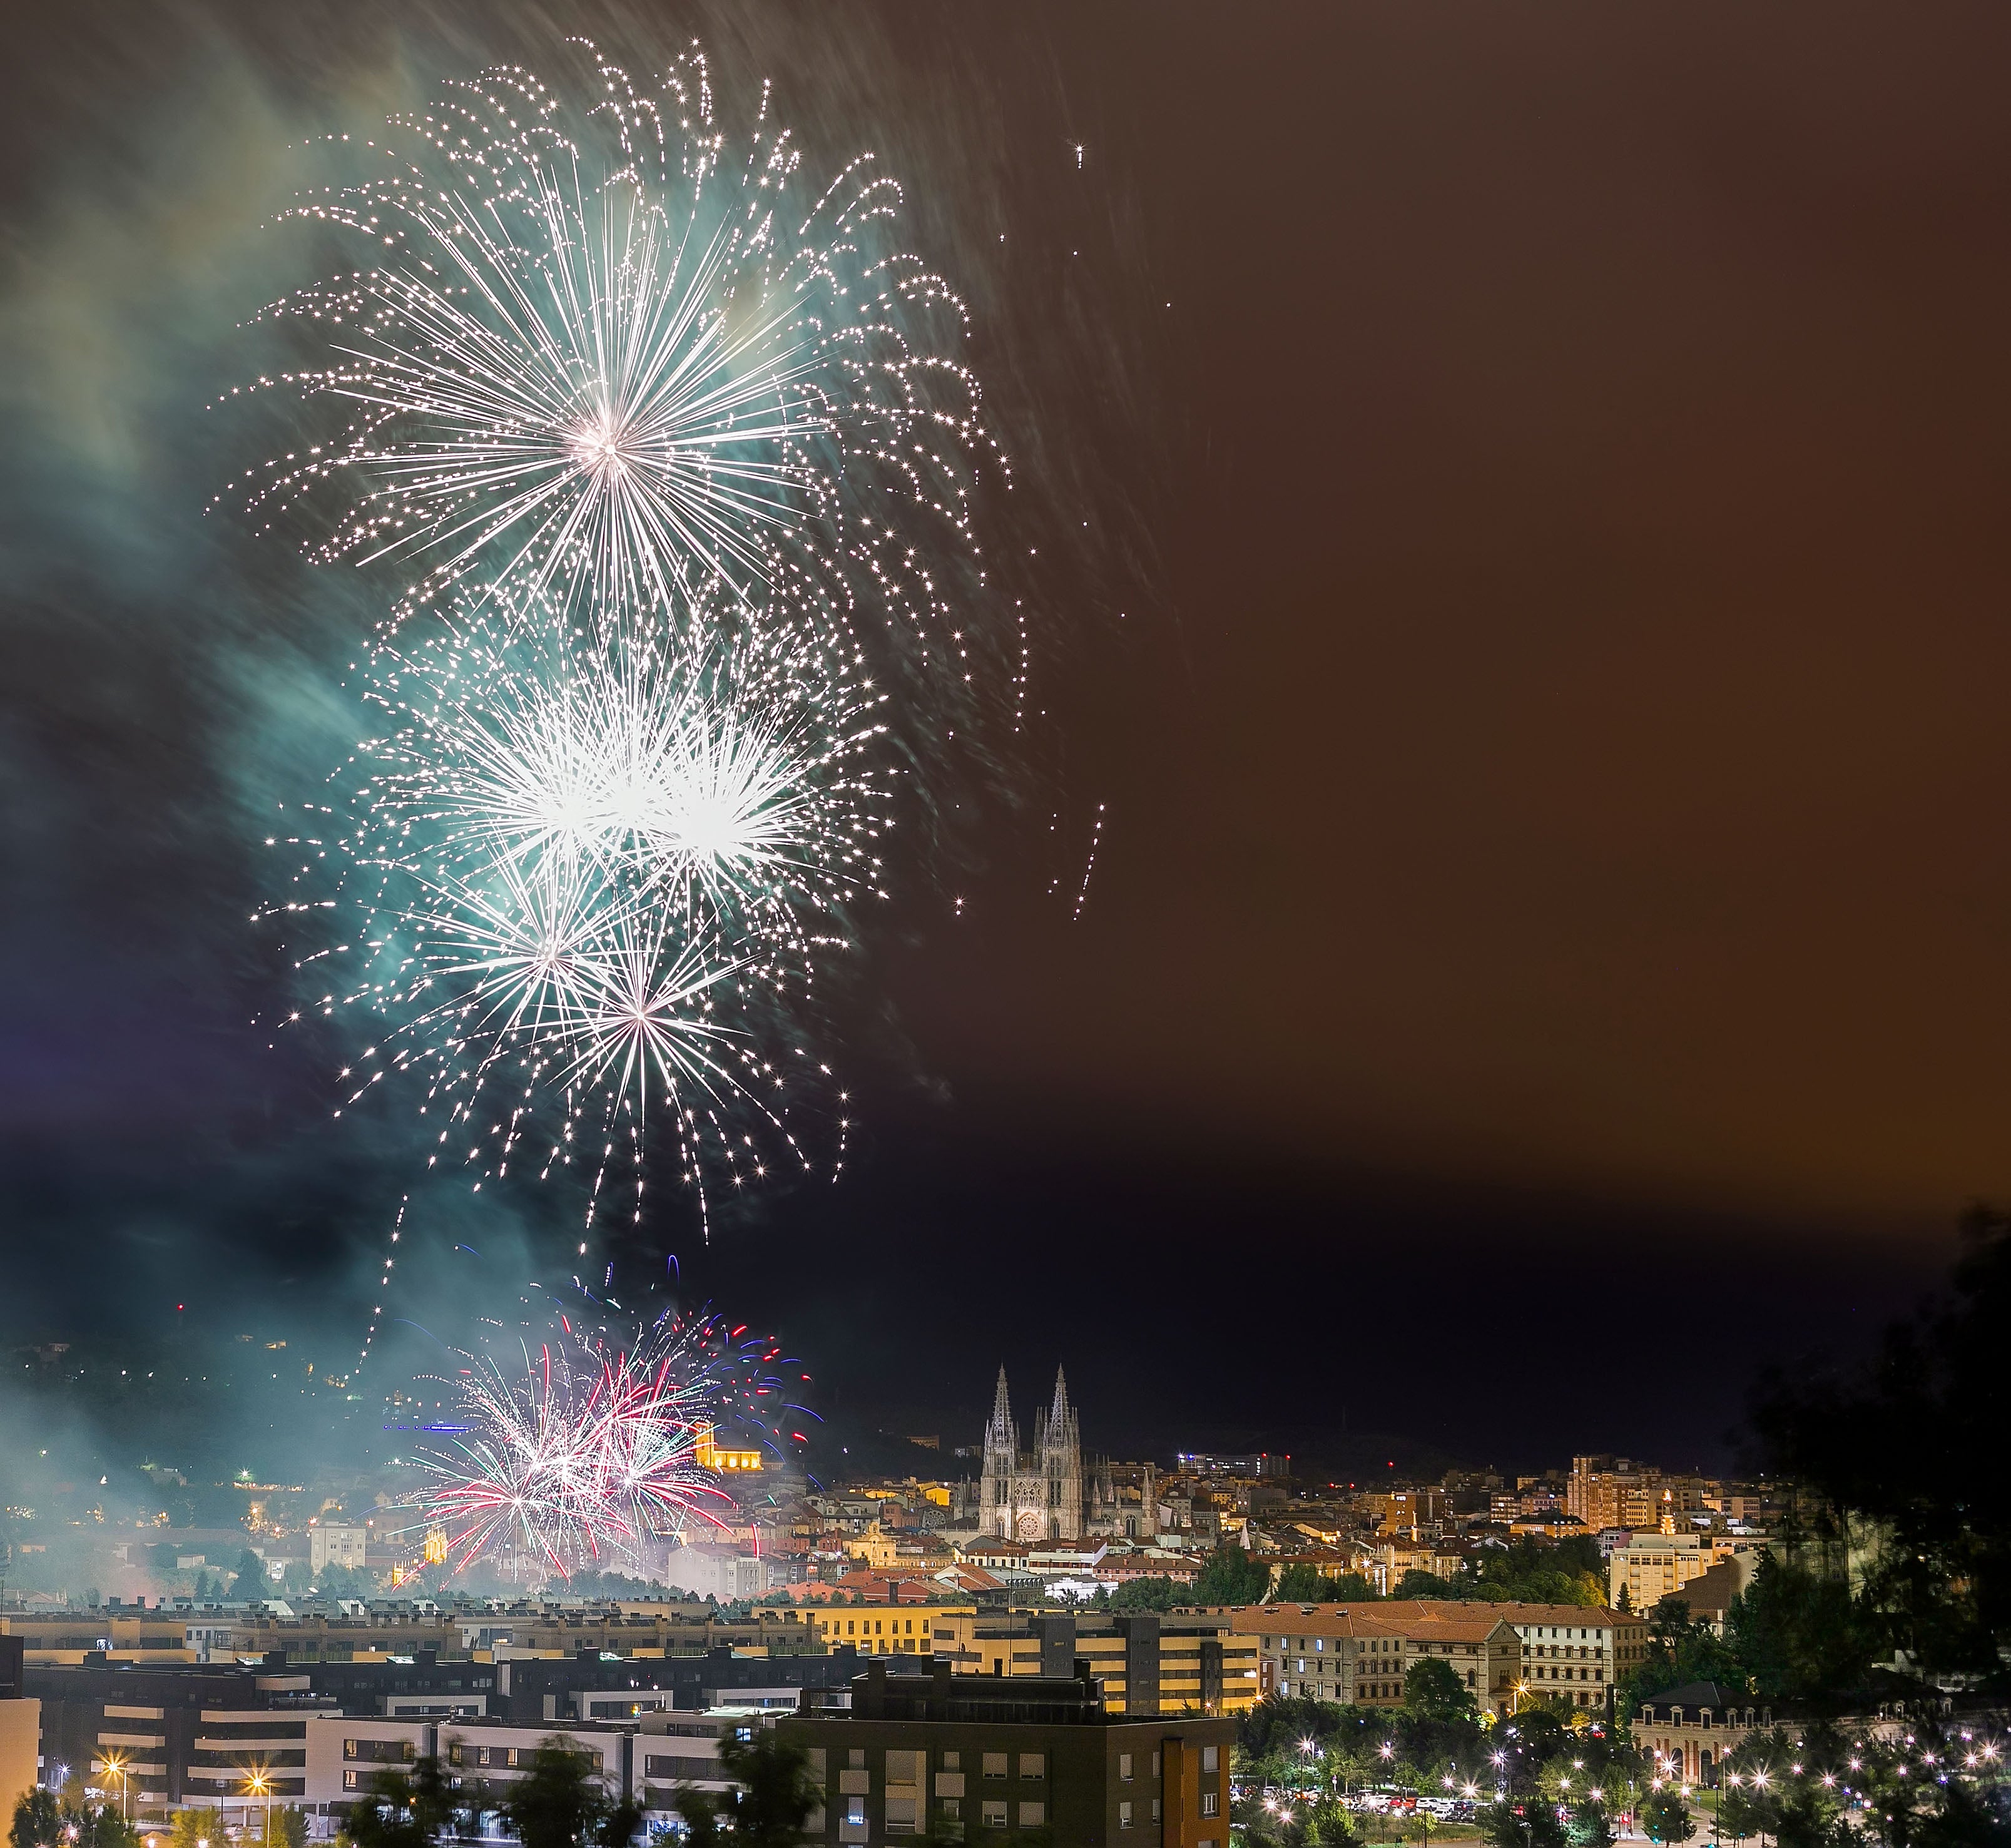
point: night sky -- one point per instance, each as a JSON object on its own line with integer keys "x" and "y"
{"x": 1527, "y": 585}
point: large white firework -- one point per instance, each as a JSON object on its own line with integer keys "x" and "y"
{"x": 589, "y": 880}
{"x": 675, "y": 464}
{"x": 606, "y": 347}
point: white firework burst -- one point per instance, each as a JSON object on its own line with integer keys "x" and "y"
{"x": 605, "y": 349}
{"x": 676, "y": 465}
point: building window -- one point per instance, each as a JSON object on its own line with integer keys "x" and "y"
{"x": 1033, "y": 1815}
{"x": 1210, "y": 1758}
{"x": 855, "y": 1810}
{"x": 995, "y": 1765}
{"x": 994, "y": 1815}
{"x": 1033, "y": 1766}
{"x": 1156, "y": 1809}
{"x": 952, "y": 1761}
{"x": 1124, "y": 1766}
{"x": 855, "y": 1758}
{"x": 1211, "y": 1802}
{"x": 1124, "y": 1815}
{"x": 1155, "y": 1772}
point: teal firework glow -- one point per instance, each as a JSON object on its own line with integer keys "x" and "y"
{"x": 671, "y": 467}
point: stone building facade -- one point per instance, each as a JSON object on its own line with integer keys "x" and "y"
{"x": 1034, "y": 1494}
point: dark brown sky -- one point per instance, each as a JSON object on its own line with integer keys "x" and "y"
{"x": 1592, "y": 578}
{"x": 1552, "y": 462}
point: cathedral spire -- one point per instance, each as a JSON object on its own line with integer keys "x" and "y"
{"x": 1002, "y": 1407}
{"x": 1058, "y": 1412}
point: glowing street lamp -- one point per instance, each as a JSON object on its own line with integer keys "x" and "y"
{"x": 257, "y": 1784}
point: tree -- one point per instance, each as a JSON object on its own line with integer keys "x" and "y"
{"x": 42, "y": 1820}
{"x": 1893, "y": 1451}
{"x": 1679, "y": 1651}
{"x": 1569, "y": 1572}
{"x": 1798, "y": 1637}
{"x": 251, "y": 1580}
{"x": 401, "y": 1810}
{"x": 1299, "y": 1584}
{"x": 100, "y": 1827}
{"x": 559, "y": 1801}
{"x": 1232, "y": 1577}
{"x": 1532, "y": 1824}
{"x": 38, "y": 1820}
{"x": 286, "y": 1827}
{"x": 203, "y": 1594}
{"x": 1269, "y": 1822}
{"x": 1151, "y": 1594}
{"x": 773, "y": 1793}
{"x": 1665, "y": 1818}
{"x": 1417, "y": 1583}
{"x": 1432, "y": 1690}
{"x": 197, "y": 1829}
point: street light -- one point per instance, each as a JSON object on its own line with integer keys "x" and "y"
{"x": 257, "y": 1784}
{"x": 116, "y": 1768}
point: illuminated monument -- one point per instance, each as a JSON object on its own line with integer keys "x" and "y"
{"x": 1036, "y": 1495}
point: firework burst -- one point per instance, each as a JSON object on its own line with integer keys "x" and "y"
{"x": 605, "y": 349}
{"x": 684, "y": 467}
{"x": 584, "y": 881}
{"x": 593, "y": 1445}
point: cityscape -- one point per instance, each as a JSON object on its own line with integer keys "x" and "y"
{"x": 1029, "y": 926}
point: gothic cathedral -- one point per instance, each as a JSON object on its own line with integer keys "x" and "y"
{"x": 1035, "y": 1495}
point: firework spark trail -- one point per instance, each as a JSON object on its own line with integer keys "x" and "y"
{"x": 599, "y": 1446}
{"x": 1089, "y": 865}
{"x": 587, "y": 876}
{"x": 688, "y": 473}
{"x": 605, "y": 357}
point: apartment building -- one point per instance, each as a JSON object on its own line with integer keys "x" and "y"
{"x": 1039, "y": 1756}
{"x": 1607, "y": 1491}
{"x": 160, "y": 1738}
{"x": 1651, "y": 1566}
{"x": 1574, "y": 1653}
{"x": 379, "y": 1633}
{"x": 891, "y": 1631}
{"x": 155, "y": 1740}
{"x": 1144, "y": 1662}
{"x": 1358, "y": 1655}
{"x": 1147, "y": 1663}
{"x": 21, "y": 1728}
{"x": 646, "y": 1760}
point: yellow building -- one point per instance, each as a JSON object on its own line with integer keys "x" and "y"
{"x": 20, "y": 1730}
{"x": 1607, "y": 1492}
{"x": 877, "y": 1550}
{"x": 708, "y": 1456}
{"x": 1147, "y": 1664}
{"x": 893, "y": 1629}
{"x": 1174, "y": 1664}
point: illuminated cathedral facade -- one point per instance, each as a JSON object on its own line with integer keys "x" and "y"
{"x": 1034, "y": 1494}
